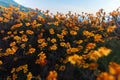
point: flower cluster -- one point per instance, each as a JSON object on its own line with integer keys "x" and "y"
{"x": 42, "y": 46}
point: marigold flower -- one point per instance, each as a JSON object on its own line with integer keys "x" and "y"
{"x": 52, "y": 75}
{"x": 53, "y": 47}
{"x": 91, "y": 46}
{"x": 13, "y": 44}
{"x": 27, "y": 24}
{"x": 14, "y": 76}
{"x": 62, "y": 68}
{"x": 1, "y": 62}
{"x": 114, "y": 68}
{"x": 103, "y": 51}
{"x": 93, "y": 66}
{"x": 72, "y": 50}
{"x": 98, "y": 37}
{"x": 41, "y": 40}
{"x": 79, "y": 41}
{"x": 29, "y": 76}
{"x": 62, "y": 44}
{"x": 53, "y": 40}
{"x": 1, "y": 19}
{"x": 73, "y": 32}
{"x": 51, "y": 31}
{"x": 105, "y": 76}
{"x": 111, "y": 28}
{"x": 74, "y": 59}
{"x": 29, "y": 32}
{"x": 24, "y": 38}
{"x": 31, "y": 50}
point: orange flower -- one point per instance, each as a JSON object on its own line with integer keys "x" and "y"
{"x": 93, "y": 66}
{"x": 27, "y": 24}
{"x": 98, "y": 37}
{"x": 62, "y": 68}
{"x": 14, "y": 76}
{"x": 105, "y": 76}
{"x": 1, "y": 19}
{"x": 51, "y": 31}
{"x": 73, "y": 32}
{"x": 52, "y": 75}
{"x": 114, "y": 68}
{"x": 29, "y": 32}
{"x": 91, "y": 46}
{"x": 13, "y": 44}
{"x": 29, "y": 76}
{"x": 1, "y": 62}
{"x": 72, "y": 50}
{"x": 53, "y": 47}
{"x": 62, "y": 44}
{"x": 74, "y": 59}
{"x": 24, "y": 38}
{"x": 53, "y": 40}
{"x": 31, "y": 50}
{"x": 111, "y": 28}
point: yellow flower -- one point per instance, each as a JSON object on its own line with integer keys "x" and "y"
{"x": 105, "y": 76}
{"x": 13, "y": 44}
{"x": 93, "y": 55}
{"x": 60, "y": 36}
{"x": 11, "y": 50}
{"x": 62, "y": 68}
{"x": 103, "y": 51}
{"x": 21, "y": 32}
{"x": 51, "y": 31}
{"x": 72, "y": 50}
{"x": 53, "y": 47}
{"x": 53, "y": 40}
{"x": 5, "y": 20}
{"x": 31, "y": 50}
{"x": 15, "y": 32}
{"x": 27, "y": 24}
{"x": 114, "y": 68}
{"x": 42, "y": 59}
{"x": 42, "y": 45}
{"x": 42, "y": 55}
{"x": 91, "y": 46}
{"x": 1, "y": 62}
{"x": 73, "y": 32}
{"x": 19, "y": 69}
{"x": 41, "y": 40}
{"x": 52, "y": 75}
{"x": 79, "y": 42}
{"x": 29, "y": 76}
{"x": 34, "y": 24}
{"x": 74, "y": 59}
{"x": 25, "y": 68}
{"x": 24, "y": 38}
{"x": 87, "y": 34}
{"x": 22, "y": 45}
{"x": 1, "y": 19}
{"x": 9, "y": 32}
{"x": 29, "y": 32}
{"x": 64, "y": 32}
{"x": 16, "y": 26}
{"x": 97, "y": 37}
{"x": 17, "y": 38}
{"x": 14, "y": 76}
{"x": 62, "y": 44}
{"x": 111, "y": 28}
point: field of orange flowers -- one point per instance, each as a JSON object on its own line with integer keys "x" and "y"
{"x": 59, "y": 47}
